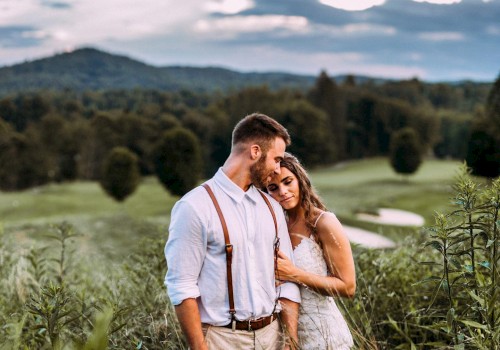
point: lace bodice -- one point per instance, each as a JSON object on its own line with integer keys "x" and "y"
{"x": 321, "y": 325}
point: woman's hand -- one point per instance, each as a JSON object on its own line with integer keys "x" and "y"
{"x": 287, "y": 271}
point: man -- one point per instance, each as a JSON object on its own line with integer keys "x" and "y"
{"x": 241, "y": 313}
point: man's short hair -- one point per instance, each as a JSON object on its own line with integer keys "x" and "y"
{"x": 259, "y": 129}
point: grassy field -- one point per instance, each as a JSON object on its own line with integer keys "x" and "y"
{"x": 116, "y": 261}
{"x": 347, "y": 189}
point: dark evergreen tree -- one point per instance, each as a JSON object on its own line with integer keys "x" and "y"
{"x": 178, "y": 160}
{"x": 105, "y": 133}
{"x": 327, "y": 96}
{"x": 308, "y": 127}
{"x": 483, "y": 154}
{"x": 120, "y": 175}
{"x": 349, "y": 81}
{"x": 56, "y": 136}
{"x": 405, "y": 151}
{"x": 23, "y": 162}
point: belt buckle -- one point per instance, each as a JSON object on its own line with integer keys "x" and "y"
{"x": 249, "y": 325}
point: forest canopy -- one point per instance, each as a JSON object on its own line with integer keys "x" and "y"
{"x": 65, "y": 135}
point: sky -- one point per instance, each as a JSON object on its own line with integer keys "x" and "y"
{"x": 432, "y": 40}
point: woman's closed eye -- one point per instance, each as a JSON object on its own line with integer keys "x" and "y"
{"x": 272, "y": 188}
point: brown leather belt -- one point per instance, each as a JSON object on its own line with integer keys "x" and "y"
{"x": 253, "y": 325}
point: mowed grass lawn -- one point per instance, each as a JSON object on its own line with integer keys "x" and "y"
{"x": 347, "y": 189}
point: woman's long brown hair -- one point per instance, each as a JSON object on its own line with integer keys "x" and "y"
{"x": 309, "y": 198}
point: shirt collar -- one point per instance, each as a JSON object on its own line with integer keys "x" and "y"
{"x": 233, "y": 190}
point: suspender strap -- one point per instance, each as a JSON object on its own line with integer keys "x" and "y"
{"x": 276, "y": 239}
{"x": 229, "y": 251}
{"x": 229, "y": 246}
{"x": 272, "y": 212}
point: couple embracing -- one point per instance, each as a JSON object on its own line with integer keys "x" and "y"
{"x": 253, "y": 256}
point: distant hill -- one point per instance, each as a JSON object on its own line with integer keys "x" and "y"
{"x": 91, "y": 69}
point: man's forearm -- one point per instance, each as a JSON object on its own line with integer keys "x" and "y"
{"x": 290, "y": 321}
{"x": 188, "y": 315}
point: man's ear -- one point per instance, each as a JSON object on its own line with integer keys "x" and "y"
{"x": 255, "y": 152}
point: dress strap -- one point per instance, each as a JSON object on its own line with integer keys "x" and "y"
{"x": 317, "y": 219}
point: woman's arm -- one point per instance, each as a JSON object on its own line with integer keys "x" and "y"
{"x": 338, "y": 256}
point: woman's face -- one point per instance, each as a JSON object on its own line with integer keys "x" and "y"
{"x": 284, "y": 187}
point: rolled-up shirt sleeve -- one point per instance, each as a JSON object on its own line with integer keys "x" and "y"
{"x": 185, "y": 252}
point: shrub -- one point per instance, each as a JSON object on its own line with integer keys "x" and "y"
{"x": 405, "y": 151}
{"x": 120, "y": 175}
{"x": 178, "y": 160}
{"x": 98, "y": 304}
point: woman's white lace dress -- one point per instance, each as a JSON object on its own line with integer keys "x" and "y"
{"x": 321, "y": 325}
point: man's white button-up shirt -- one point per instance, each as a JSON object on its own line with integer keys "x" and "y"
{"x": 196, "y": 256}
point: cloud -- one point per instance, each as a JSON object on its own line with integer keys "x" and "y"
{"x": 11, "y": 13}
{"x": 56, "y": 4}
{"x": 96, "y": 22}
{"x": 441, "y": 2}
{"x": 229, "y": 7}
{"x": 15, "y": 36}
{"x": 367, "y": 28}
{"x": 493, "y": 30}
{"x": 266, "y": 58}
{"x": 230, "y": 27}
{"x": 442, "y": 36}
{"x": 352, "y": 5}
{"x": 299, "y": 36}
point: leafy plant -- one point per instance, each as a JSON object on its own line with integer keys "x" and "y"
{"x": 467, "y": 241}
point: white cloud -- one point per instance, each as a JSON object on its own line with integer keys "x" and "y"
{"x": 441, "y": 2}
{"x": 229, "y": 7}
{"x": 493, "y": 30}
{"x": 352, "y": 5}
{"x": 11, "y": 12}
{"x": 232, "y": 26}
{"x": 95, "y": 22}
{"x": 441, "y": 36}
{"x": 367, "y": 28}
{"x": 414, "y": 56}
{"x": 267, "y": 58}
{"x": 354, "y": 30}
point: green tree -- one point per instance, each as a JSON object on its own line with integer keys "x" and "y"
{"x": 326, "y": 95}
{"x": 58, "y": 137}
{"x": 178, "y": 160}
{"x": 120, "y": 175}
{"x": 308, "y": 127}
{"x": 483, "y": 154}
{"x": 405, "y": 151}
{"x": 23, "y": 162}
{"x": 103, "y": 135}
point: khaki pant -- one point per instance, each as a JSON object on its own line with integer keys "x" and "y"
{"x": 267, "y": 338}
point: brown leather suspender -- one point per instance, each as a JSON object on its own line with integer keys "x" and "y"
{"x": 229, "y": 251}
{"x": 229, "y": 246}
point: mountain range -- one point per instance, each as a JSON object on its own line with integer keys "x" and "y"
{"x": 92, "y": 69}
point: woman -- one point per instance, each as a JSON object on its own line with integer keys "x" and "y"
{"x": 324, "y": 267}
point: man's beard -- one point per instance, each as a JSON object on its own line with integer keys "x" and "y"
{"x": 258, "y": 174}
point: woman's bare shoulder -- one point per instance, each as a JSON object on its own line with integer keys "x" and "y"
{"x": 329, "y": 226}
{"x": 326, "y": 219}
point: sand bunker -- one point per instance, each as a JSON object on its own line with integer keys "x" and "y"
{"x": 393, "y": 217}
{"x": 366, "y": 238}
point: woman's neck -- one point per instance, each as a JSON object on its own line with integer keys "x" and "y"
{"x": 295, "y": 214}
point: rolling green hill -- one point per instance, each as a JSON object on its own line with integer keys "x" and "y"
{"x": 91, "y": 69}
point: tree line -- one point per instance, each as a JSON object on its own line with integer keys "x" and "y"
{"x": 50, "y": 136}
